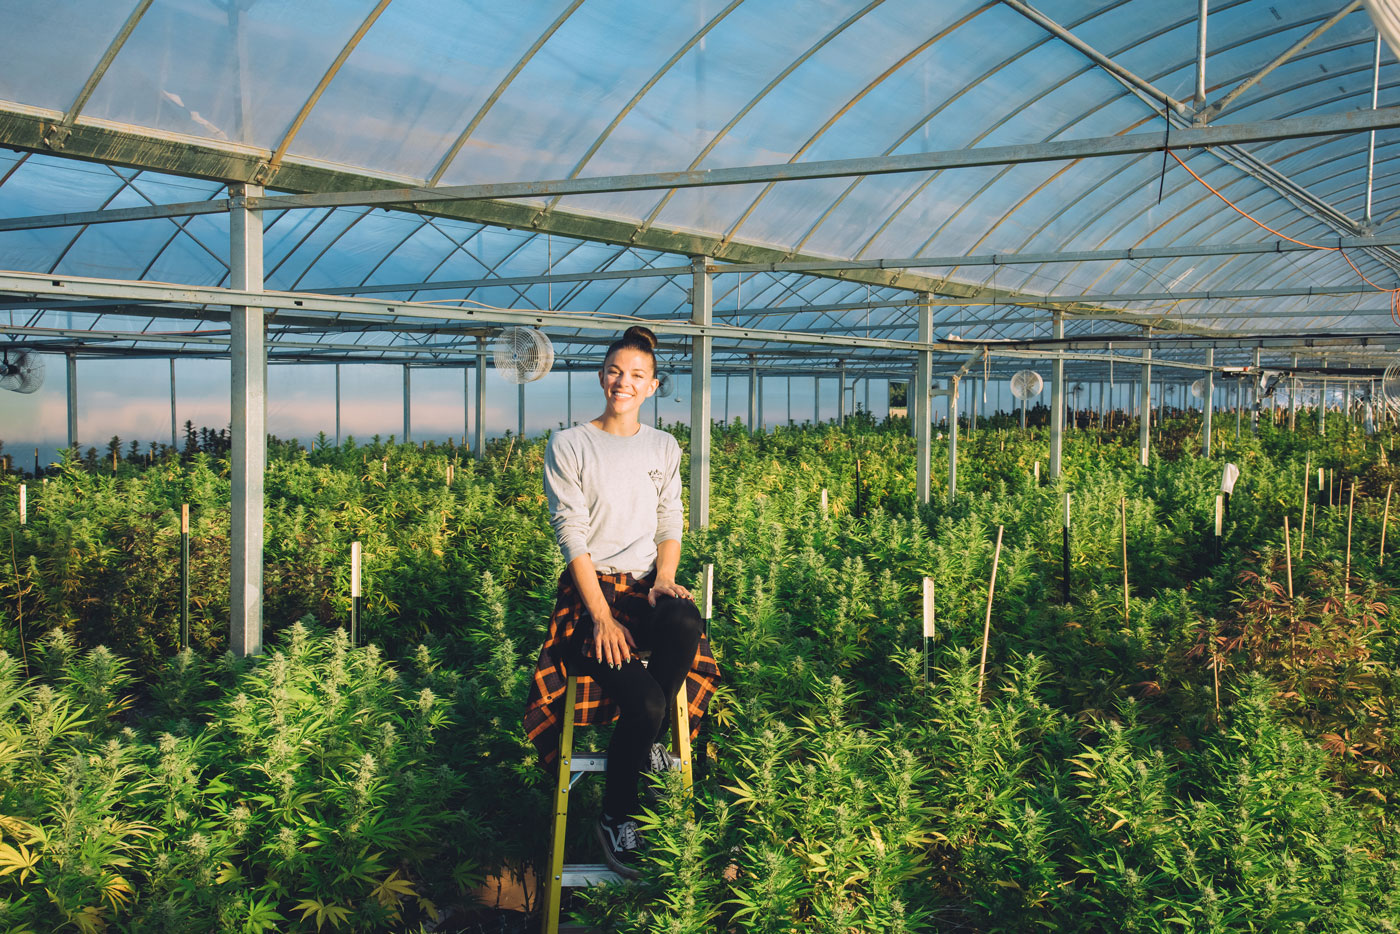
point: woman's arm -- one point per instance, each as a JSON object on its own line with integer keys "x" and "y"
{"x": 611, "y": 640}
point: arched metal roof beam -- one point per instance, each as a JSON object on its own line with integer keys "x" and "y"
{"x": 754, "y": 101}
{"x": 57, "y": 135}
{"x": 281, "y": 150}
{"x": 461, "y": 140}
{"x": 642, "y": 92}
{"x": 1214, "y": 109}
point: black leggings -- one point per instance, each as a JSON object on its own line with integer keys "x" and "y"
{"x": 643, "y": 693}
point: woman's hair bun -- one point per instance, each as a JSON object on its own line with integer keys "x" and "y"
{"x": 640, "y": 335}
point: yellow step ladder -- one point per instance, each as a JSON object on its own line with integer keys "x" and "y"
{"x": 571, "y": 769}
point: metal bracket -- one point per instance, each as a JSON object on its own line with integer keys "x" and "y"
{"x": 56, "y": 135}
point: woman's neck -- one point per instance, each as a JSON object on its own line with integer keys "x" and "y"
{"x": 618, "y": 424}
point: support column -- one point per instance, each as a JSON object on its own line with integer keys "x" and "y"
{"x": 952, "y": 438}
{"x": 248, "y": 352}
{"x": 466, "y": 405}
{"x": 1208, "y": 402}
{"x": 479, "y": 416}
{"x": 1256, "y": 400}
{"x": 407, "y": 406}
{"x": 337, "y": 405}
{"x": 841, "y": 396}
{"x": 971, "y": 406}
{"x": 1057, "y": 402}
{"x": 520, "y": 412}
{"x": 702, "y": 313}
{"x": 918, "y": 398}
{"x": 753, "y": 395}
{"x": 72, "y": 359}
{"x": 172, "y": 403}
{"x": 816, "y": 400}
{"x": 1145, "y": 408}
{"x": 569, "y": 398}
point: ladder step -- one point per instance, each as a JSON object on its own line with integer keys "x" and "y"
{"x": 582, "y": 875}
{"x": 592, "y": 762}
{"x": 598, "y": 762}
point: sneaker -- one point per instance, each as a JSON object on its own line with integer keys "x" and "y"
{"x": 622, "y": 844}
{"x": 659, "y": 760}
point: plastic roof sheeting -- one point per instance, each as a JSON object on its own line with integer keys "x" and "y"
{"x": 450, "y": 92}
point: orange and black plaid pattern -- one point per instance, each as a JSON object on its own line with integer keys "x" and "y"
{"x": 544, "y": 709}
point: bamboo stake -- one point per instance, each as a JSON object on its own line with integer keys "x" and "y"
{"x": 1351, "y": 509}
{"x": 1123, "y": 507}
{"x": 1386, "y": 520}
{"x": 987, "y": 625}
{"x": 1292, "y": 625}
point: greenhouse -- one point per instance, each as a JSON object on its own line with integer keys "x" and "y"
{"x": 1032, "y": 370}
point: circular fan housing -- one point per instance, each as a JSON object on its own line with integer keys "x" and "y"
{"x": 1198, "y": 389}
{"x": 664, "y": 386}
{"x": 522, "y": 355}
{"x": 1390, "y": 386}
{"x": 1026, "y": 384}
{"x": 21, "y": 371}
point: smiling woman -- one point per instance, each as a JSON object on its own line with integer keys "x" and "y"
{"x": 614, "y": 493}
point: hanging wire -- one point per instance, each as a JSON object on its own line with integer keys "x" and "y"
{"x": 1394, "y": 293}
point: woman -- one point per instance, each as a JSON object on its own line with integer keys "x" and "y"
{"x": 614, "y": 492}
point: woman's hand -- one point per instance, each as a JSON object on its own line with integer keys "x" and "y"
{"x": 669, "y": 588}
{"x": 612, "y": 642}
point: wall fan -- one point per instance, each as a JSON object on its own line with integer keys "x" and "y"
{"x": 1026, "y": 384}
{"x": 522, "y": 355}
{"x": 21, "y": 371}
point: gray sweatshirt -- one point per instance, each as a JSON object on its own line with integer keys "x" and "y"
{"x": 613, "y": 498}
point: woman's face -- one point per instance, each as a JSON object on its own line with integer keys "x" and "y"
{"x": 628, "y": 379}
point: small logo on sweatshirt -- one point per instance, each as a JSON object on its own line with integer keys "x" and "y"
{"x": 658, "y": 478}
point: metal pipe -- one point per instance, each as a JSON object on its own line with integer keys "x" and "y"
{"x": 918, "y": 399}
{"x": 407, "y": 406}
{"x": 72, "y": 370}
{"x": 248, "y": 456}
{"x": 1145, "y": 408}
{"x": 701, "y": 313}
{"x": 753, "y": 396}
{"x": 841, "y": 396}
{"x": 952, "y": 438}
{"x": 1255, "y": 400}
{"x": 1371, "y": 147}
{"x": 1201, "y": 55}
{"x": 173, "y": 422}
{"x": 479, "y": 436}
{"x": 1057, "y": 402}
{"x": 1208, "y": 403}
{"x": 520, "y": 412}
{"x": 337, "y": 405}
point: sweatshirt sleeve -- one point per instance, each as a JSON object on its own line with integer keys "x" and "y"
{"x": 568, "y": 505}
{"x": 669, "y": 517}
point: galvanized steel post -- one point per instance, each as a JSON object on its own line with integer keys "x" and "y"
{"x": 248, "y": 350}
{"x": 407, "y": 405}
{"x": 1057, "y": 401}
{"x": 952, "y": 438}
{"x": 1255, "y": 399}
{"x": 1209, "y": 403}
{"x": 479, "y": 416}
{"x": 701, "y": 312}
{"x": 753, "y": 395}
{"x": 918, "y": 400}
{"x": 72, "y": 359}
{"x": 1145, "y": 407}
{"x": 172, "y": 402}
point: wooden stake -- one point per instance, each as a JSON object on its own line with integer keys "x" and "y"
{"x": 23, "y": 509}
{"x": 987, "y": 625}
{"x": 930, "y": 625}
{"x": 1351, "y": 509}
{"x": 1123, "y": 507}
{"x": 184, "y": 575}
{"x": 355, "y": 593}
{"x": 1386, "y": 520}
{"x": 1288, "y": 553}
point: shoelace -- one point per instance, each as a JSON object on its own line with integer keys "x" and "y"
{"x": 627, "y": 836}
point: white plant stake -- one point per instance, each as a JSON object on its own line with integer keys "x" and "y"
{"x": 707, "y": 610}
{"x": 23, "y": 505}
{"x": 929, "y": 625}
{"x": 1037, "y": 473}
{"x": 823, "y": 502}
